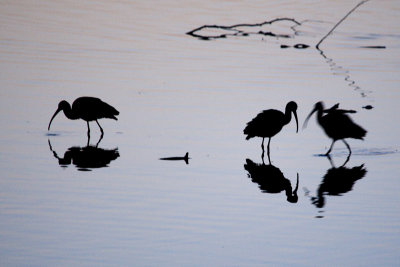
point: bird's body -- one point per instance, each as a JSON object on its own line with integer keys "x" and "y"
{"x": 88, "y": 109}
{"x": 270, "y": 122}
{"x": 337, "y": 125}
{"x": 266, "y": 124}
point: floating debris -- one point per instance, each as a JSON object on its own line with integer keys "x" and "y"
{"x": 185, "y": 158}
{"x": 301, "y": 46}
{"x": 374, "y": 46}
{"x": 368, "y": 107}
{"x": 210, "y": 32}
{"x": 297, "y": 46}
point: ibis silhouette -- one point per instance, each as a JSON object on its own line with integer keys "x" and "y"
{"x": 336, "y": 124}
{"x": 88, "y": 109}
{"x": 86, "y": 158}
{"x": 337, "y": 181}
{"x": 270, "y": 122}
{"x": 271, "y": 180}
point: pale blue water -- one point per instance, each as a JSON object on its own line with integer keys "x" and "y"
{"x": 179, "y": 94}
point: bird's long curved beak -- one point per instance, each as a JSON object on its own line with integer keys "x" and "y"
{"x": 55, "y": 114}
{"x": 308, "y": 117}
{"x": 297, "y": 121}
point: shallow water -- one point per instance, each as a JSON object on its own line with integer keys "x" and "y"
{"x": 179, "y": 94}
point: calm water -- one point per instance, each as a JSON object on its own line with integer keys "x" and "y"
{"x": 179, "y": 94}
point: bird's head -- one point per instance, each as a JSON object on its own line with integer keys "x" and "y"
{"x": 292, "y": 107}
{"x": 293, "y": 198}
{"x": 61, "y": 106}
{"x": 318, "y": 106}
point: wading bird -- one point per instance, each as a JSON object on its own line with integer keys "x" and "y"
{"x": 336, "y": 124}
{"x": 88, "y": 109}
{"x": 270, "y": 122}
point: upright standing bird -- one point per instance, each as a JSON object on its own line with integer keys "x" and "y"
{"x": 88, "y": 109}
{"x": 270, "y": 122}
{"x": 336, "y": 124}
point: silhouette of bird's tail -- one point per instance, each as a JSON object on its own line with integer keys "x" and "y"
{"x": 247, "y": 131}
{"x": 358, "y": 132}
{"x": 110, "y": 112}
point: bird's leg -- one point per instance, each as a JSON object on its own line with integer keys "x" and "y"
{"x": 88, "y": 130}
{"x": 347, "y": 160}
{"x": 329, "y": 151}
{"x": 269, "y": 141}
{"x": 330, "y": 161}
{"x": 262, "y": 145}
{"x": 262, "y": 157}
{"x": 101, "y": 129}
{"x": 348, "y": 147}
{"x": 101, "y": 137}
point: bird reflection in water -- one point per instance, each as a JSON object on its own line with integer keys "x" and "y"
{"x": 337, "y": 181}
{"x": 270, "y": 179}
{"x": 86, "y": 158}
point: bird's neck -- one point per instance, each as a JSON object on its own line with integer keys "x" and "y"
{"x": 320, "y": 112}
{"x": 68, "y": 112}
{"x": 288, "y": 116}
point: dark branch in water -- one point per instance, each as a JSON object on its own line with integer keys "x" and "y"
{"x": 236, "y": 32}
{"x": 340, "y": 21}
{"x": 330, "y": 61}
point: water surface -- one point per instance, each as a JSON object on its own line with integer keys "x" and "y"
{"x": 179, "y": 94}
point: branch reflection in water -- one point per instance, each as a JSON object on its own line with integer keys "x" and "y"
{"x": 271, "y": 180}
{"x": 86, "y": 158}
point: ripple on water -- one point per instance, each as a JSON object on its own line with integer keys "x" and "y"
{"x": 362, "y": 152}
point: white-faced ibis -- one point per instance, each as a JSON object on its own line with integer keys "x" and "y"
{"x": 270, "y": 122}
{"x": 88, "y": 109}
{"x": 336, "y": 124}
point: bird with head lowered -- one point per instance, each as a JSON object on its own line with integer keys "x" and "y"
{"x": 88, "y": 109}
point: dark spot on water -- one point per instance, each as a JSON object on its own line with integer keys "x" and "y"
{"x": 301, "y": 46}
{"x": 343, "y": 152}
{"x": 368, "y": 107}
{"x": 285, "y": 46}
{"x": 52, "y": 134}
{"x": 374, "y": 46}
